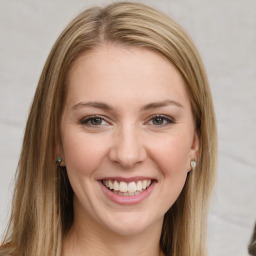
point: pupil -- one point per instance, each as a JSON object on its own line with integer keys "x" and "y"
{"x": 158, "y": 120}
{"x": 96, "y": 121}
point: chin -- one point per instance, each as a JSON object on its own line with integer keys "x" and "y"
{"x": 127, "y": 230}
{"x": 131, "y": 223}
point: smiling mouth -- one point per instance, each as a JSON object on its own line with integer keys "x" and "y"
{"x": 123, "y": 188}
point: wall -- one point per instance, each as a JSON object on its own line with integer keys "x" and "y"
{"x": 225, "y": 33}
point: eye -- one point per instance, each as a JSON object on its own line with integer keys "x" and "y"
{"x": 94, "y": 121}
{"x": 160, "y": 120}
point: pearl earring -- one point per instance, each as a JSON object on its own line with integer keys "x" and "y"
{"x": 193, "y": 163}
{"x": 59, "y": 160}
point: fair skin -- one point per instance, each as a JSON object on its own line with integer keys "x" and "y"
{"x": 128, "y": 120}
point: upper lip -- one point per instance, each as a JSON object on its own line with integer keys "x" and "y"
{"x": 127, "y": 180}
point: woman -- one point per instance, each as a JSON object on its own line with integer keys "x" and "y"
{"x": 119, "y": 152}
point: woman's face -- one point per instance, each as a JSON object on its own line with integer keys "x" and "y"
{"x": 128, "y": 137}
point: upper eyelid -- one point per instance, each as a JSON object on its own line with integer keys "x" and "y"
{"x": 162, "y": 116}
{"x": 94, "y": 116}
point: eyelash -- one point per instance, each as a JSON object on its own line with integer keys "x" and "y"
{"x": 88, "y": 119}
{"x": 166, "y": 119}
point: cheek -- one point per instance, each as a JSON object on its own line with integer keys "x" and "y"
{"x": 172, "y": 159}
{"x": 82, "y": 153}
{"x": 172, "y": 155}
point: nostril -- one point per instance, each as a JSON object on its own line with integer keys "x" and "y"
{"x": 126, "y": 160}
{"x": 127, "y": 150}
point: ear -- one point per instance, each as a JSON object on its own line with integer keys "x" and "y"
{"x": 195, "y": 146}
{"x": 193, "y": 154}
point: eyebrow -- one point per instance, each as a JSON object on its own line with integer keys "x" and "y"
{"x": 98, "y": 105}
{"x": 161, "y": 104}
{"x": 101, "y": 105}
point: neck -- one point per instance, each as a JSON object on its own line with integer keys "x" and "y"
{"x": 98, "y": 246}
{"x": 88, "y": 238}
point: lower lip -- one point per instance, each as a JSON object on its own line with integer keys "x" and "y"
{"x": 127, "y": 200}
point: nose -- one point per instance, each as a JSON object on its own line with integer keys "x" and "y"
{"x": 127, "y": 149}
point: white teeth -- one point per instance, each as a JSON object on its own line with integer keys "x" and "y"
{"x": 116, "y": 185}
{"x": 139, "y": 185}
{"x": 132, "y": 187}
{"x": 110, "y": 184}
{"x": 123, "y": 186}
{"x": 129, "y": 189}
{"x": 144, "y": 184}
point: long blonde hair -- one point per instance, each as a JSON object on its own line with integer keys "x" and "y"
{"x": 42, "y": 210}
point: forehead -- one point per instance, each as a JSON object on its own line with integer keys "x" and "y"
{"x": 119, "y": 72}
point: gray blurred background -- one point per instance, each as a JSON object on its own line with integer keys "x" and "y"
{"x": 225, "y": 33}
